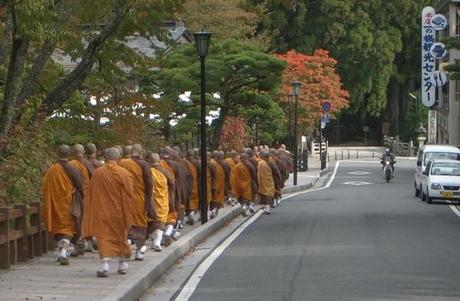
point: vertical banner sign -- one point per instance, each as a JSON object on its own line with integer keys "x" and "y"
{"x": 432, "y": 126}
{"x": 428, "y": 61}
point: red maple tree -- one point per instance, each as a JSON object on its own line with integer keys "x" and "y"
{"x": 320, "y": 83}
{"x": 234, "y": 133}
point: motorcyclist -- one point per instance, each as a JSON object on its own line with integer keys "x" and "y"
{"x": 388, "y": 156}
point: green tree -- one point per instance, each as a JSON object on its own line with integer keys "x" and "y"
{"x": 375, "y": 42}
{"x": 237, "y": 72}
{"x": 89, "y": 31}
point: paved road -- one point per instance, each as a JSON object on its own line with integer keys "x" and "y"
{"x": 368, "y": 242}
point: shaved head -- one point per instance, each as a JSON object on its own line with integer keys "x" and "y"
{"x": 190, "y": 153}
{"x": 127, "y": 150}
{"x": 153, "y": 158}
{"x": 112, "y": 154}
{"x": 78, "y": 150}
{"x": 63, "y": 151}
{"x": 264, "y": 154}
{"x": 137, "y": 150}
{"x": 91, "y": 148}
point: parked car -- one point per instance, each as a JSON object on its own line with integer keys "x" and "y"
{"x": 430, "y": 153}
{"x": 441, "y": 180}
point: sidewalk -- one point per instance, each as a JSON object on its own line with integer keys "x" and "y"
{"x": 44, "y": 279}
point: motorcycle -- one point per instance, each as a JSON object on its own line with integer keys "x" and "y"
{"x": 387, "y": 171}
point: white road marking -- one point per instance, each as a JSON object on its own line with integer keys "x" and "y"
{"x": 357, "y": 183}
{"x": 191, "y": 285}
{"x": 359, "y": 173}
{"x": 455, "y": 210}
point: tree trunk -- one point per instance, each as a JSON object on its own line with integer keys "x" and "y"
{"x": 16, "y": 65}
{"x": 395, "y": 95}
{"x": 219, "y": 125}
{"x": 73, "y": 81}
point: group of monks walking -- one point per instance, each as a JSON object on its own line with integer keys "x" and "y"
{"x": 142, "y": 199}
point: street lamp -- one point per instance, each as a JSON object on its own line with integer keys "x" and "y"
{"x": 202, "y": 40}
{"x": 290, "y": 96}
{"x": 296, "y": 88}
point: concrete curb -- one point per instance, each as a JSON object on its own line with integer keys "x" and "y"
{"x": 298, "y": 188}
{"x": 137, "y": 284}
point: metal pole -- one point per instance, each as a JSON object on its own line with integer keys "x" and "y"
{"x": 204, "y": 168}
{"x": 289, "y": 126}
{"x": 295, "y": 139}
{"x": 320, "y": 144}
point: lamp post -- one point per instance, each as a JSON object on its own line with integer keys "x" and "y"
{"x": 296, "y": 88}
{"x": 290, "y": 96}
{"x": 202, "y": 40}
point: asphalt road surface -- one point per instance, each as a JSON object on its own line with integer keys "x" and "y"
{"x": 361, "y": 239}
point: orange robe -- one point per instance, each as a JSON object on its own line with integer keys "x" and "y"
{"x": 172, "y": 215}
{"x": 161, "y": 196}
{"x": 194, "y": 198}
{"x": 139, "y": 214}
{"x": 108, "y": 216}
{"x": 219, "y": 194}
{"x": 241, "y": 182}
{"x": 265, "y": 179}
{"x": 58, "y": 192}
{"x": 230, "y": 163}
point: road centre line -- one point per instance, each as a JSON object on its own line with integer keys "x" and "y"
{"x": 192, "y": 283}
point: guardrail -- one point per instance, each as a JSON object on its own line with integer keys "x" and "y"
{"x": 353, "y": 154}
{"x": 23, "y": 234}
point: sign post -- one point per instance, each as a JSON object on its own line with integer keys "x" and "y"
{"x": 428, "y": 61}
{"x": 432, "y": 126}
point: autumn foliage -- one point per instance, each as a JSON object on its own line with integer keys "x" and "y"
{"x": 320, "y": 83}
{"x": 234, "y": 133}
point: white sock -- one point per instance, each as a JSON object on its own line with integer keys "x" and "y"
{"x": 122, "y": 264}
{"x": 169, "y": 230}
{"x": 63, "y": 244}
{"x": 157, "y": 237}
{"x": 105, "y": 265}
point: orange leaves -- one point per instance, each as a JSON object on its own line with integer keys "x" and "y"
{"x": 234, "y": 133}
{"x": 320, "y": 82}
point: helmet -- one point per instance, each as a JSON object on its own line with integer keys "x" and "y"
{"x": 387, "y": 150}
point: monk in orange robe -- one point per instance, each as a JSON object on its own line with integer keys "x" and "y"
{"x": 173, "y": 168}
{"x": 91, "y": 155}
{"x": 86, "y": 169}
{"x": 266, "y": 182}
{"x": 108, "y": 216}
{"x": 222, "y": 182}
{"x": 232, "y": 160}
{"x": 194, "y": 200}
{"x": 243, "y": 182}
{"x": 142, "y": 198}
{"x": 163, "y": 185}
{"x": 63, "y": 202}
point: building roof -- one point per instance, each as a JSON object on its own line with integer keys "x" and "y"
{"x": 146, "y": 46}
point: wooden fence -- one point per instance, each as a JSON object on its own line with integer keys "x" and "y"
{"x": 23, "y": 234}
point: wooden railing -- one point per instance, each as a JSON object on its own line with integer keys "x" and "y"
{"x": 23, "y": 234}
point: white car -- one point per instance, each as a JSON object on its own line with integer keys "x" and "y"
{"x": 432, "y": 152}
{"x": 441, "y": 180}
